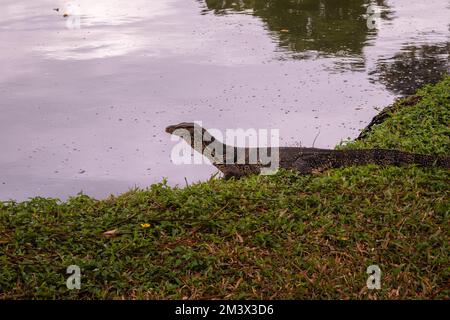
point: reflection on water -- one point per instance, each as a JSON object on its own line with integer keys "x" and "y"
{"x": 414, "y": 67}
{"x": 328, "y": 27}
{"x": 338, "y": 28}
{"x": 85, "y": 109}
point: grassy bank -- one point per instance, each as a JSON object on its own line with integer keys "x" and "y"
{"x": 283, "y": 236}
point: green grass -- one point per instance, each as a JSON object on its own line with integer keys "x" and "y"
{"x": 422, "y": 128}
{"x": 270, "y": 237}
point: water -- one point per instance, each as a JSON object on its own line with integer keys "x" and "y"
{"x": 85, "y": 109}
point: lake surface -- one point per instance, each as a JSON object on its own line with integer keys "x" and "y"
{"x": 84, "y": 99}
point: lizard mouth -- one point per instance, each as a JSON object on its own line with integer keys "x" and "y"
{"x": 170, "y": 129}
{"x": 183, "y": 125}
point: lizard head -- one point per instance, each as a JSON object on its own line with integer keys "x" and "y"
{"x": 177, "y": 129}
{"x": 189, "y": 131}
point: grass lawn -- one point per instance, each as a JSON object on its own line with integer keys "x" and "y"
{"x": 263, "y": 237}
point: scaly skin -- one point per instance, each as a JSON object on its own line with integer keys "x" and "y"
{"x": 303, "y": 160}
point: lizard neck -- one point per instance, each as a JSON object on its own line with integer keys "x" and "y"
{"x": 206, "y": 144}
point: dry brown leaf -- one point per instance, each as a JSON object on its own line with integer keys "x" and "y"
{"x": 238, "y": 283}
{"x": 110, "y": 233}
